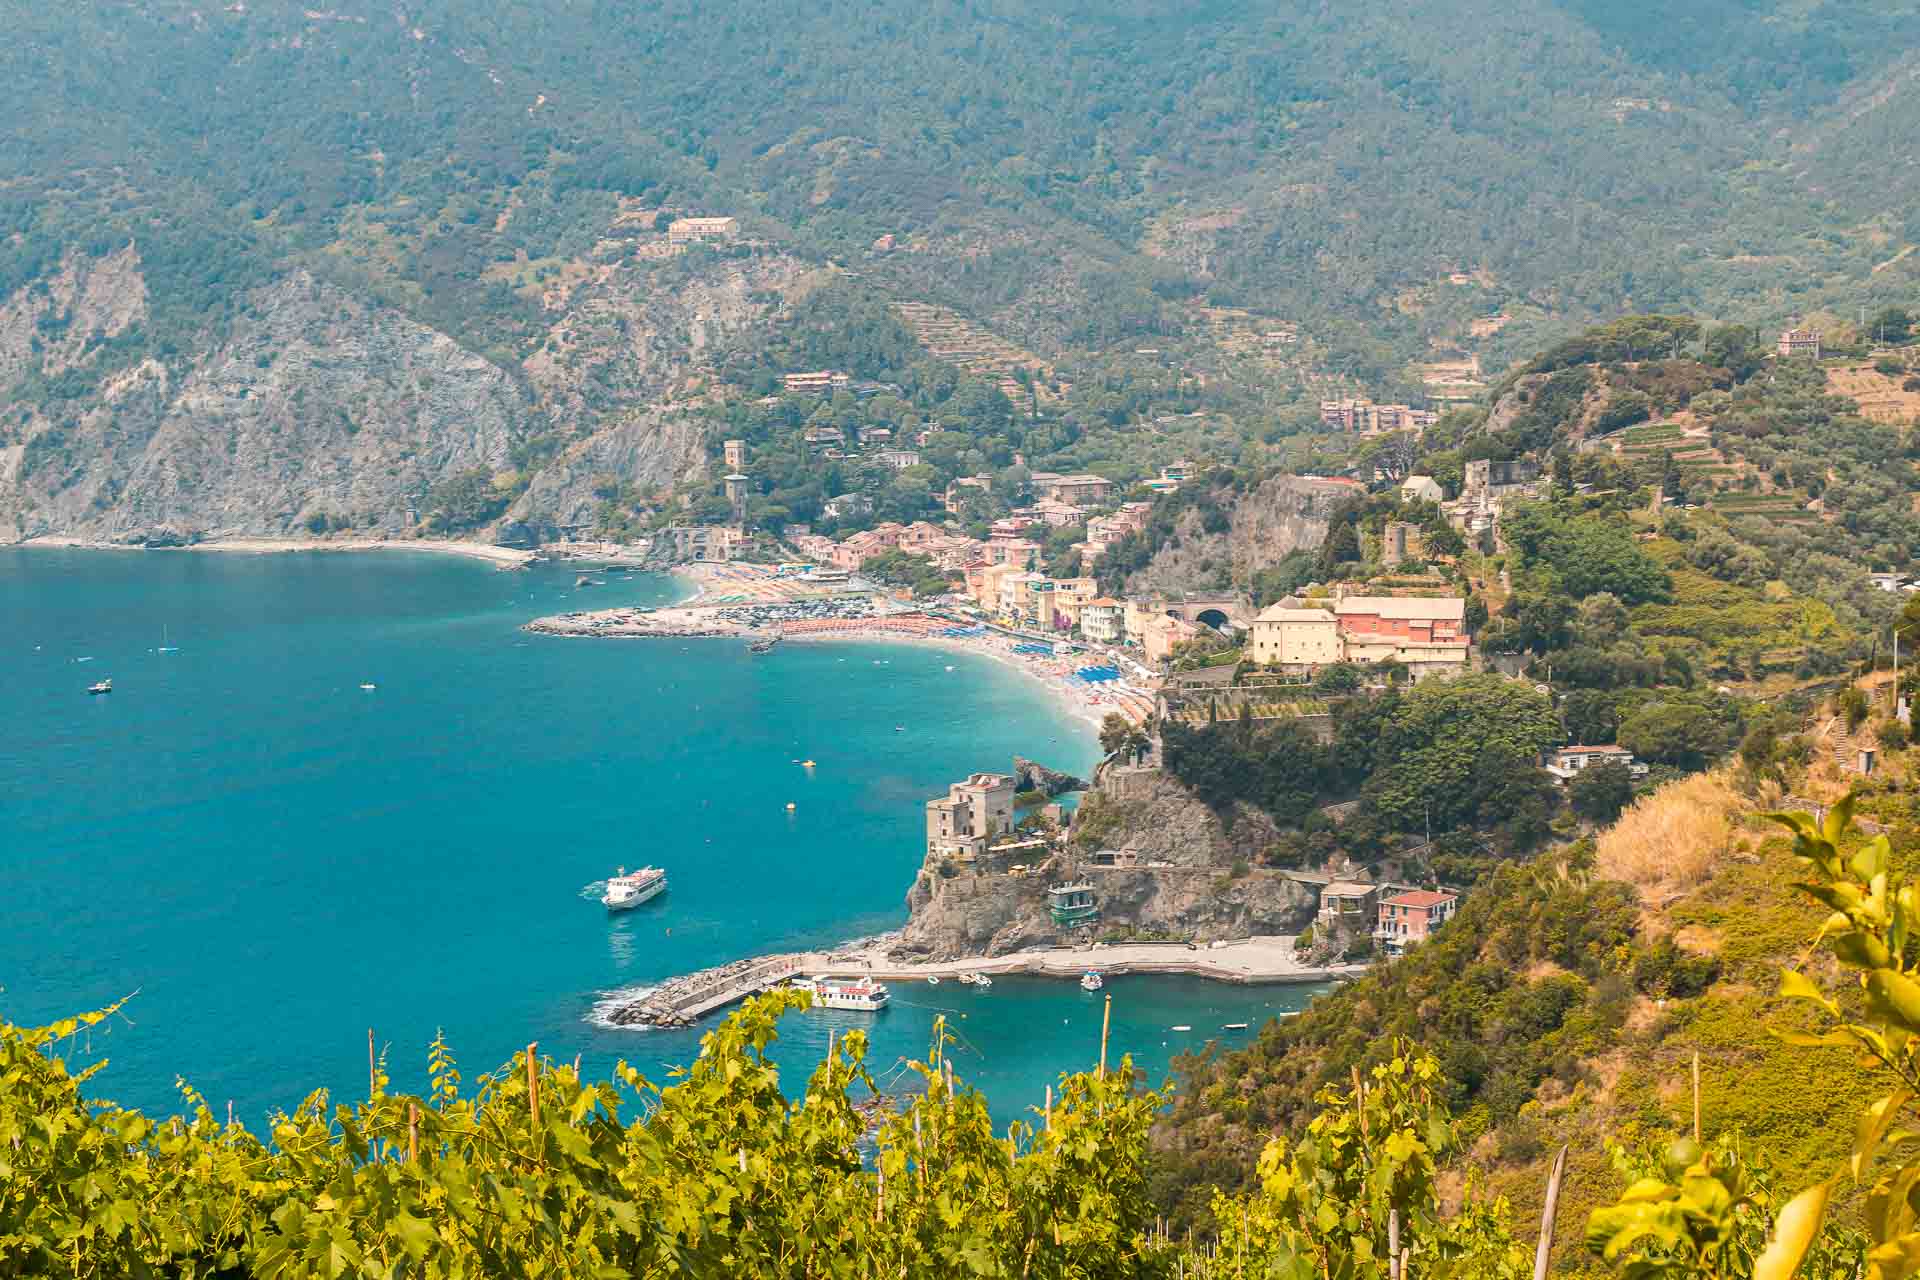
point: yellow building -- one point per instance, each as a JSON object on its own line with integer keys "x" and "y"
{"x": 1136, "y": 616}
{"x": 1070, "y": 596}
{"x": 1295, "y": 637}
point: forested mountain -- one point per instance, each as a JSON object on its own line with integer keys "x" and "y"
{"x": 1081, "y": 178}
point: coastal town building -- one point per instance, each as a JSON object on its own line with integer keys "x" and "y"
{"x": 737, "y": 487}
{"x": 1162, "y": 634}
{"x": 1077, "y": 490}
{"x": 1073, "y": 904}
{"x": 1348, "y": 902}
{"x": 1103, "y": 620}
{"x": 876, "y": 435}
{"x": 735, "y": 453}
{"x": 822, "y": 382}
{"x": 824, "y": 435}
{"x": 1565, "y": 762}
{"x": 1799, "y": 342}
{"x": 1369, "y": 419}
{"x": 1399, "y": 541}
{"x": 961, "y": 824}
{"x": 703, "y": 542}
{"x": 1413, "y": 916}
{"x": 1486, "y": 487}
{"x": 897, "y": 459}
{"x": 692, "y": 230}
{"x": 848, "y": 506}
{"x": 1422, "y": 489}
{"x": 1135, "y": 616}
{"x": 1295, "y": 638}
{"x": 1427, "y": 635}
{"x": 1015, "y": 551}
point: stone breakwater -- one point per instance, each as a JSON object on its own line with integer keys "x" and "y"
{"x": 679, "y": 1002}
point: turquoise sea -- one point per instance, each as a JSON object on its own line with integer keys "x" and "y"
{"x": 275, "y": 860}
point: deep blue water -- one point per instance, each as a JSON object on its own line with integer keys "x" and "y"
{"x": 275, "y": 860}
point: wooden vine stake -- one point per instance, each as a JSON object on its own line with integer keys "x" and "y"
{"x": 1106, "y": 1021}
{"x": 1393, "y": 1245}
{"x": 413, "y": 1133}
{"x": 1544, "y": 1249}
{"x": 1049, "y": 1108}
{"x": 533, "y": 1093}
{"x": 1696, "y": 1096}
{"x": 373, "y": 1088}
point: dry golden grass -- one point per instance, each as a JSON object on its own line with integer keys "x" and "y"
{"x": 1669, "y": 842}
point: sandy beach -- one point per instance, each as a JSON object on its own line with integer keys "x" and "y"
{"x": 506, "y": 557}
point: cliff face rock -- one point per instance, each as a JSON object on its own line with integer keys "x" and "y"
{"x": 315, "y": 402}
{"x": 1284, "y": 514}
{"x": 1030, "y": 775}
{"x": 961, "y": 911}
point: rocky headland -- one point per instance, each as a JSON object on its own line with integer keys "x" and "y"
{"x": 1182, "y": 872}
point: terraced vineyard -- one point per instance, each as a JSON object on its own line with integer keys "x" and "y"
{"x": 949, "y": 336}
{"x": 1786, "y": 507}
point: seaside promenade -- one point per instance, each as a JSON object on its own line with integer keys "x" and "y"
{"x": 1264, "y": 959}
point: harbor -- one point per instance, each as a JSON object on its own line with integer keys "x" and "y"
{"x": 683, "y": 1001}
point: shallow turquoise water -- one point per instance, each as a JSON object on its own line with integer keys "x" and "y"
{"x": 276, "y": 861}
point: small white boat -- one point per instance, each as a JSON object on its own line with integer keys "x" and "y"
{"x": 1091, "y": 980}
{"x": 1233, "y": 1026}
{"x": 104, "y": 686}
{"x": 966, "y": 979}
{"x": 983, "y": 981}
{"x": 862, "y": 995}
{"x": 624, "y": 892}
{"x": 368, "y": 685}
{"x": 1183, "y": 1027}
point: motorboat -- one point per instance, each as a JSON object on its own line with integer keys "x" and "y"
{"x": 862, "y": 995}
{"x": 103, "y": 686}
{"x": 368, "y": 686}
{"x": 982, "y": 981}
{"x": 624, "y": 892}
{"x": 966, "y": 979}
{"x": 1233, "y": 1026}
{"x": 1091, "y": 980}
{"x": 1183, "y": 1027}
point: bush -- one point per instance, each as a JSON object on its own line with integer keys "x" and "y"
{"x": 1892, "y": 734}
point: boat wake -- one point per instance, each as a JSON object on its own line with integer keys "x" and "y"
{"x": 611, "y": 1002}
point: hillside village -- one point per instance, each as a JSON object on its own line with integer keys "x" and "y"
{"x": 1513, "y": 583}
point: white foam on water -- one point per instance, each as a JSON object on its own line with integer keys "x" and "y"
{"x": 611, "y": 1002}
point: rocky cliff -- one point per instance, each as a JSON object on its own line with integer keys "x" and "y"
{"x": 1199, "y": 886}
{"x": 1284, "y": 514}
{"x": 313, "y": 406}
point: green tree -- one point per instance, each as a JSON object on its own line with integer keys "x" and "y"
{"x": 1600, "y": 791}
{"x": 1682, "y": 734}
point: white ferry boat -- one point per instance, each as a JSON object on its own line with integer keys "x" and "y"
{"x": 860, "y": 994}
{"x": 1091, "y": 980}
{"x": 627, "y": 891}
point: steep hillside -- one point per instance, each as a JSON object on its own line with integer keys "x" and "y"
{"x": 316, "y": 407}
{"x": 1565, "y": 1003}
{"x": 1056, "y": 168}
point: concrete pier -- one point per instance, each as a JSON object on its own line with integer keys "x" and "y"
{"x": 682, "y": 1001}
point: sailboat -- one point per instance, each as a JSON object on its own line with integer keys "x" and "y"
{"x": 164, "y": 646}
